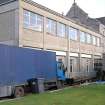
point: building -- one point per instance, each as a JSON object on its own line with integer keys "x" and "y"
{"x": 25, "y": 23}
{"x": 80, "y": 16}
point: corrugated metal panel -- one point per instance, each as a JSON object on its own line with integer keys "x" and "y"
{"x": 20, "y": 64}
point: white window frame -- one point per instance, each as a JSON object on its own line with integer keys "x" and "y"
{"x": 94, "y": 40}
{"x": 88, "y": 38}
{"x": 51, "y": 26}
{"x": 33, "y": 26}
{"x": 60, "y": 32}
{"x": 73, "y": 36}
{"x": 82, "y": 37}
{"x": 98, "y": 41}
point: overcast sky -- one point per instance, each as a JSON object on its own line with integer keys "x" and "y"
{"x": 94, "y": 8}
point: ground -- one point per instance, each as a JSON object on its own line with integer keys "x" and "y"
{"x": 88, "y": 95}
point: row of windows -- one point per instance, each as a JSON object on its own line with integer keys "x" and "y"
{"x": 87, "y": 38}
{"x": 35, "y": 22}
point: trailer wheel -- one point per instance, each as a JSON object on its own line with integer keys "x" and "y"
{"x": 19, "y": 92}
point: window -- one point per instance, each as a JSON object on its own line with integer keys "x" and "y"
{"x": 26, "y": 18}
{"x": 51, "y": 26}
{"x": 98, "y": 42}
{"x": 88, "y": 38}
{"x": 33, "y": 21}
{"x": 82, "y": 37}
{"x": 72, "y": 33}
{"x": 94, "y": 40}
{"x": 61, "y": 30}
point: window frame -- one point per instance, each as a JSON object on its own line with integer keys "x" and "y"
{"x": 70, "y": 36}
{"x": 88, "y": 40}
{"x": 61, "y": 35}
{"x": 94, "y": 37}
{"x": 41, "y": 26}
{"x": 98, "y": 41}
{"x": 54, "y": 34}
{"x": 83, "y": 40}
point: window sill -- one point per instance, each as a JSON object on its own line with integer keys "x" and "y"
{"x": 32, "y": 29}
{"x": 74, "y": 40}
{"x": 51, "y": 34}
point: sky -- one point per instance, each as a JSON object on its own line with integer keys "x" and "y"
{"x": 94, "y": 8}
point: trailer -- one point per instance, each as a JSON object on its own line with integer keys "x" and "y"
{"x": 21, "y": 67}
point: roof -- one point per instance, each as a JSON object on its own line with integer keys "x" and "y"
{"x": 2, "y": 2}
{"x": 77, "y": 14}
{"x": 102, "y": 20}
{"x": 74, "y": 10}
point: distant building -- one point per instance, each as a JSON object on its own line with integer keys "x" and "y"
{"x": 80, "y": 16}
{"x": 77, "y": 14}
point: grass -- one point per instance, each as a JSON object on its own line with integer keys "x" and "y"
{"x": 88, "y": 95}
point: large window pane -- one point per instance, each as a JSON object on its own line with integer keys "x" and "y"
{"x": 51, "y": 26}
{"x": 26, "y": 18}
{"x": 72, "y": 33}
{"x": 39, "y": 23}
{"x": 94, "y": 40}
{"x": 61, "y": 30}
{"x": 33, "y": 21}
{"x": 82, "y": 37}
{"x": 88, "y": 38}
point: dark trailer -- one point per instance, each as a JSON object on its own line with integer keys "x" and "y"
{"x": 19, "y": 65}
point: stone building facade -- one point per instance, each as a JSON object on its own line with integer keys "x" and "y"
{"x": 77, "y": 42}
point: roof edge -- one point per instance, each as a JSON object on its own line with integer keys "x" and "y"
{"x": 58, "y": 14}
{"x": 6, "y": 2}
